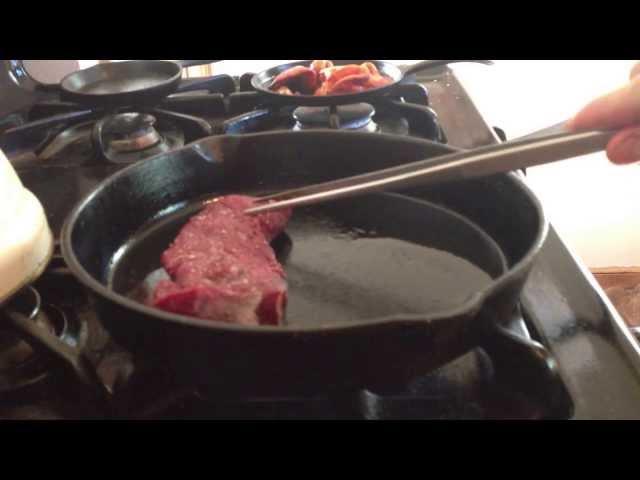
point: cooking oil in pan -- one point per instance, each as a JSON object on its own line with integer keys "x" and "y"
{"x": 342, "y": 265}
{"x": 341, "y": 274}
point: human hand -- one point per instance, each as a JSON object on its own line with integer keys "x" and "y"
{"x": 619, "y": 109}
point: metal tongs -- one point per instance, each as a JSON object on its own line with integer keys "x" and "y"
{"x": 545, "y": 146}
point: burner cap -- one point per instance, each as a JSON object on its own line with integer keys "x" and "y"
{"x": 13, "y": 350}
{"x": 131, "y": 132}
{"x": 20, "y": 365}
{"x": 356, "y": 116}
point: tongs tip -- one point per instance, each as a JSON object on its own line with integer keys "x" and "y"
{"x": 252, "y": 211}
{"x": 259, "y": 205}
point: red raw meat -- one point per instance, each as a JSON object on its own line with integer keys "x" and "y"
{"x": 222, "y": 267}
{"x": 320, "y": 65}
{"x": 371, "y": 68}
{"x": 284, "y": 90}
{"x": 377, "y": 81}
{"x": 350, "y": 84}
{"x": 323, "y": 78}
{"x": 335, "y": 74}
{"x": 298, "y": 79}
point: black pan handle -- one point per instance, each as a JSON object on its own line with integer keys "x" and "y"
{"x": 527, "y": 353}
{"x": 520, "y": 354}
{"x": 41, "y": 340}
{"x": 194, "y": 63}
{"x": 216, "y": 84}
{"x": 21, "y": 77}
{"x": 49, "y": 87}
{"x": 426, "y": 64}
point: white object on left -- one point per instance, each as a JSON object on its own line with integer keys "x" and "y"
{"x": 26, "y": 242}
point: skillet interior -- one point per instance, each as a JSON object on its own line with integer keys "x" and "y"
{"x": 347, "y": 261}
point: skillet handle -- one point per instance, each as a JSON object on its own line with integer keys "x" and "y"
{"x": 49, "y": 87}
{"x": 511, "y": 352}
{"x": 216, "y": 84}
{"x": 21, "y": 77}
{"x": 194, "y": 63}
{"x": 73, "y": 359}
{"x": 426, "y": 64}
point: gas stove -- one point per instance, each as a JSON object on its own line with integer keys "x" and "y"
{"x": 55, "y": 133}
{"x": 574, "y": 357}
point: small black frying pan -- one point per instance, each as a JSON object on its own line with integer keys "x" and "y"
{"x": 115, "y": 84}
{"x": 263, "y": 81}
{"x": 123, "y": 83}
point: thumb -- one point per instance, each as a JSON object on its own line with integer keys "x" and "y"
{"x": 624, "y": 147}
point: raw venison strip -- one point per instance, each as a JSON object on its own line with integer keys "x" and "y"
{"x": 222, "y": 267}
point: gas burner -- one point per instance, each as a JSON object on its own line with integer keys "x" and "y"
{"x": 20, "y": 365}
{"x": 357, "y": 116}
{"x": 131, "y": 132}
{"x": 386, "y": 117}
{"x": 131, "y": 136}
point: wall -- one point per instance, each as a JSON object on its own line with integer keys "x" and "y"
{"x": 594, "y": 205}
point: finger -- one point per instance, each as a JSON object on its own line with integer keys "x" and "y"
{"x": 635, "y": 71}
{"x": 617, "y": 109}
{"x": 624, "y": 147}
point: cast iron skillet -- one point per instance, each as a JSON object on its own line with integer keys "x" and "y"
{"x": 263, "y": 80}
{"x": 364, "y": 307}
{"x": 115, "y": 84}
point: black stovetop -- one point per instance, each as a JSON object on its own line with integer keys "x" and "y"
{"x": 591, "y": 367}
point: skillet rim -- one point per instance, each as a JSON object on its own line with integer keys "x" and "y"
{"x": 473, "y": 304}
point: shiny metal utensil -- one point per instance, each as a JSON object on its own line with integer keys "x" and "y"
{"x": 528, "y": 151}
